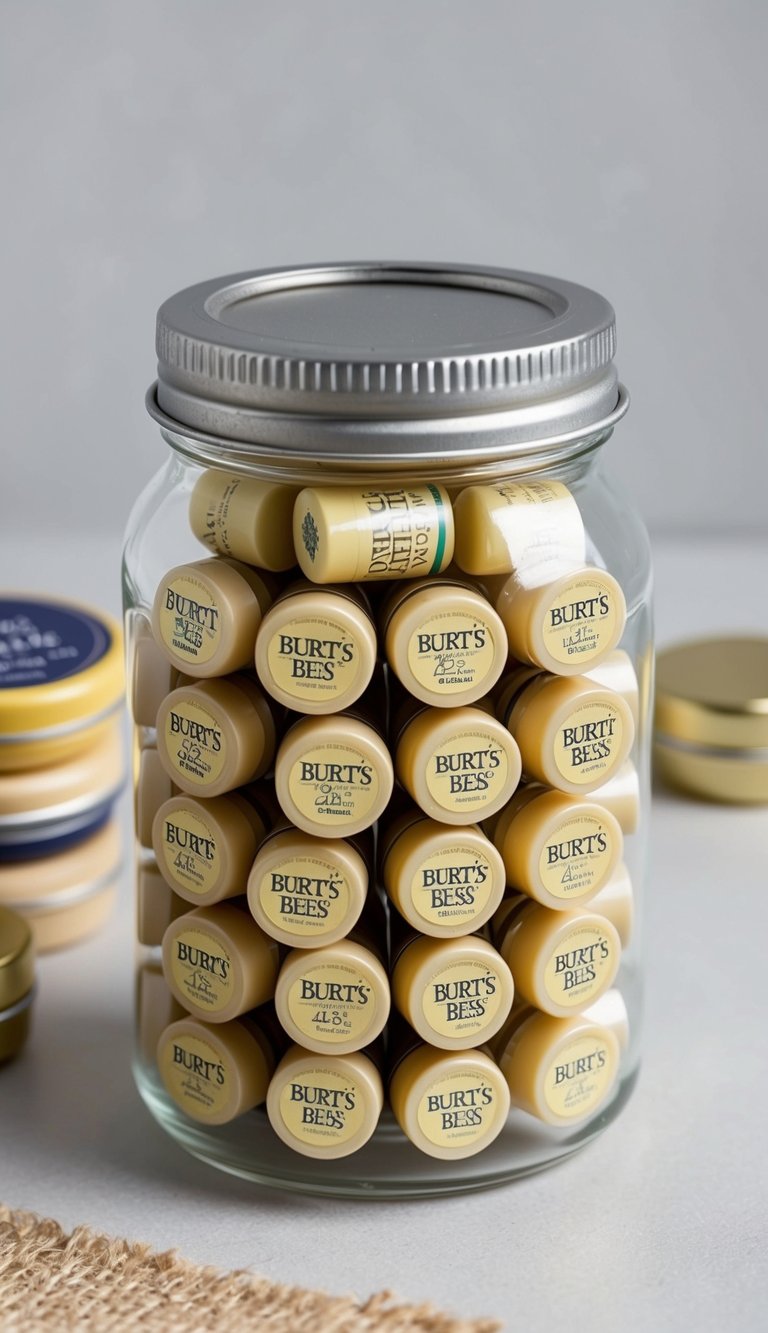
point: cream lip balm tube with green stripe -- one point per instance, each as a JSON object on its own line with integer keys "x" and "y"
{"x": 347, "y": 534}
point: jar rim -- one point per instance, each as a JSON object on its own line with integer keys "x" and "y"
{"x": 292, "y": 444}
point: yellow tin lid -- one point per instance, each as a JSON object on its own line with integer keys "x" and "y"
{"x": 17, "y": 958}
{"x": 711, "y": 723}
{"x": 61, "y": 666}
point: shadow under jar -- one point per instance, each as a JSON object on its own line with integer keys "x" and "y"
{"x": 363, "y": 427}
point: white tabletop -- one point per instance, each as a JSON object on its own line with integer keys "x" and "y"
{"x": 659, "y": 1224}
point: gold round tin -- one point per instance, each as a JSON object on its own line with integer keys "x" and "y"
{"x": 711, "y": 722}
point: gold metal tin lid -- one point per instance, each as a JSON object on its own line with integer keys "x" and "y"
{"x": 17, "y": 958}
{"x": 61, "y": 666}
{"x": 712, "y": 694}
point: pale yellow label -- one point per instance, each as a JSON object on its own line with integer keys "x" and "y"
{"x": 580, "y": 1076}
{"x": 458, "y": 1109}
{"x": 195, "y": 1075}
{"x": 452, "y": 887}
{"x": 194, "y": 742}
{"x": 467, "y": 772}
{"x": 190, "y": 619}
{"x": 305, "y": 895}
{"x": 576, "y": 858}
{"x": 314, "y": 659}
{"x": 581, "y": 966}
{"x": 333, "y": 1002}
{"x": 333, "y": 785}
{"x": 451, "y": 652}
{"x": 202, "y": 971}
{"x": 540, "y": 531}
{"x": 405, "y": 532}
{"x": 462, "y": 999}
{"x": 322, "y": 1107}
{"x": 581, "y": 623}
{"x": 190, "y": 855}
{"x": 588, "y": 743}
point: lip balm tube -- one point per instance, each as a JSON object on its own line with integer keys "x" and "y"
{"x": 455, "y": 993}
{"x": 616, "y": 902}
{"x": 531, "y": 525}
{"x": 245, "y": 518}
{"x": 218, "y": 962}
{"x": 327, "y": 1105}
{"x": 617, "y": 673}
{"x": 316, "y": 648}
{"x": 151, "y": 674}
{"x": 450, "y": 1104}
{"x": 156, "y": 1009}
{"x": 445, "y": 881}
{"x": 444, "y": 641}
{"x": 205, "y": 848}
{"x": 215, "y": 1073}
{"x": 558, "y": 849}
{"x": 335, "y": 998}
{"x": 156, "y": 906}
{"x": 343, "y": 534}
{"x": 565, "y": 625}
{"x": 206, "y": 614}
{"x": 621, "y": 795}
{"x": 215, "y": 735}
{"x": 153, "y": 788}
{"x": 304, "y": 891}
{"x": 573, "y": 734}
{"x": 459, "y": 765}
{"x": 333, "y": 775}
{"x": 560, "y": 1070}
{"x": 561, "y": 961}
{"x": 611, "y": 1011}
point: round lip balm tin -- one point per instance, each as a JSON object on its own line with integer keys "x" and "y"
{"x": 711, "y": 721}
{"x": 61, "y": 679}
{"x": 46, "y": 810}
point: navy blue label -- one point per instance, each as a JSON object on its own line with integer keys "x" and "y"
{"x": 41, "y": 642}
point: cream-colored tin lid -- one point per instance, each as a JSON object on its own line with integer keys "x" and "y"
{"x": 206, "y": 613}
{"x": 450, "y": 1104}
{"x": 316, "y": 648}
{"x": 444, "y": 641}
{"x": 335, "y": 998}
{"x": 333, "y": 775}
{"x": 456, "y": 993}
{"x": 325, "y": 1105}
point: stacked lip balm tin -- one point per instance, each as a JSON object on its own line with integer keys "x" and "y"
{"x": 61, "y": 765}
{"x": 381, "y": 802}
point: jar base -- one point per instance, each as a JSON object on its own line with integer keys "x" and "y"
{"x": 388, "y": 1167}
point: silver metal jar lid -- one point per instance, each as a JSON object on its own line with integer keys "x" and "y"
{"x": 395, "y": 362}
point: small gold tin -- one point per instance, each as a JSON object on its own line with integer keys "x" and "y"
{"x": 711, "y": 722}
{"x": 17, "y": 982}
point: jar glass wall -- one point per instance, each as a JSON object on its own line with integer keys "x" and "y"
{"x": 160, "y": 538}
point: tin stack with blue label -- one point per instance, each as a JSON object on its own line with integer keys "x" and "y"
{"x": 61, "y": 765}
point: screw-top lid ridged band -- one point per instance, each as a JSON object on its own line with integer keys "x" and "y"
{"x": 445, "y": 353}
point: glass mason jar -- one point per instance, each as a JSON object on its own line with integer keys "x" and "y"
{"x": 407, "y": 781}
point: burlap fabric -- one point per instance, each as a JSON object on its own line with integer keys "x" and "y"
{"x": 54, "y": 1281}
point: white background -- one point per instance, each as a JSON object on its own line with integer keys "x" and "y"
{"x": 155, "y": 143}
